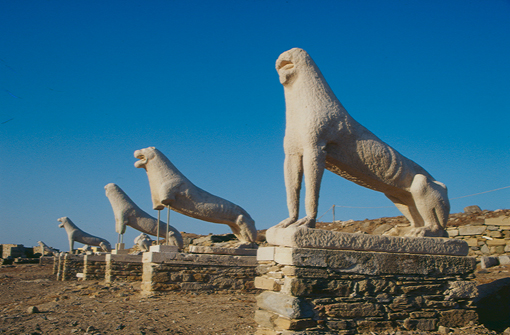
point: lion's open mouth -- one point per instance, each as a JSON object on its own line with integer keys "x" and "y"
{"x": 142, "y": 160}
{"x": 285, "y": 65}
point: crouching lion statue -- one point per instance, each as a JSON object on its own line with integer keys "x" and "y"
{"x": 320, "y": 134}
{"x": 127, "y": 213}
{"x": 169, "y": 187}
{"x": 143, "y": 241}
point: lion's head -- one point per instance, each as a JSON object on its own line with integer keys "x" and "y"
{"x": 144, "y": 155}
{"x": 62, "y": 220}
{"x": 289, "y": 62}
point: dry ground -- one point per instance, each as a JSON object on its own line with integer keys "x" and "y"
{"x": 73, "y": 307}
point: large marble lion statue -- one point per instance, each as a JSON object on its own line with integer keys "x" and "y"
{"x": 169, "y": 187}
{"x": 127, "y": 213}
{"x": 320, "y": 134}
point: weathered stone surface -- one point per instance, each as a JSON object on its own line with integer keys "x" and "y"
{"x": 457, "y": 317}
{"x": 285, "y": 305}
{"x": 498, "y": 221}
{"x": 371, "y": 326}
{"x": 325, "y": 239}
{"x": 124, "y": 258}
{"x": 472, "y": 242}
{"x": 163, "y": 248}
{"x": 420, "y": 324}
{"x": 265, "y": 283}
{"x": 375, "y": 263}
{"x": 452, "y": 232}
{"x": 265, "y": 254}
{"x": 198, "y": 249}
{"x": 496, "y": 242}
{"x": 504, "y": 260}
{"x": 294, "y": 324}
{"x": 471, "y": 230}
{"x": 302, "y": 287}
{"x": 487, "y": 262}
{"x": 461, "y": 290}
{"x": 206, "y": 259}
{"x": 353, "y": 310}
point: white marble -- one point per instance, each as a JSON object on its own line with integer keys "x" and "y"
{"x": 320, "y": 134}
{"x": 169, "y": 187}
{"x": 127, "y": 213}
{"x": 76, "y": 234}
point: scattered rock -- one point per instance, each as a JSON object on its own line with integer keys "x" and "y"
{"x": 32, "y": 310}
{"x": 488, "y": 261}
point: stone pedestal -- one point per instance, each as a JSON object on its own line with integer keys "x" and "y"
{"x": 163, "y": 248}
{"x": 123, "y": 268}
{"x": 328, "y": 291}
{"x": 69, "y": 266}
{"x": 198, "y": 249}
{"x": 196, "y": 272}
{"x": 94, "y": 267}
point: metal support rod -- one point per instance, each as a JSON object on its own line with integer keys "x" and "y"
{"x": 118, "y": 239}
{"x": 157, "y": 238}
{"x": 333, "y": 213}
{"x": 121, "y": 238}
{"x": 168, "y": 226}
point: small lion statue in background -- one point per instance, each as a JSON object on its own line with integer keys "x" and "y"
{"x": 320, "y": 134}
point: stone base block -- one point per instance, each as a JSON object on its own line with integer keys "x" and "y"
{"x": 326, "y": 239}
{"x": 197, "y": 249}
{"x": 321, "y": 291}
{"x": 163, "y": 248}
{"x": 120, "y": 251}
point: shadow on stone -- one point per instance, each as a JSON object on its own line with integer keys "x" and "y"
{"x": 493, "y": 304}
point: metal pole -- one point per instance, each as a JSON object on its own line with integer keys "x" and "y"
{"x": 121, "y": 238}
{"x": 168, "y": 226}
{"x": 157, "y": 239}
{"x": 118, "y": 239}
{"x": 333, "y": 213}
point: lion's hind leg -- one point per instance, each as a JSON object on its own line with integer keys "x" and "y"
{"x": 431, "y": 200}
{"x": 246, "y": 228}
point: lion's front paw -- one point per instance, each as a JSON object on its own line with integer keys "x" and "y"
{"x": 305, "y": 222}
{"x": 285, "y": 223}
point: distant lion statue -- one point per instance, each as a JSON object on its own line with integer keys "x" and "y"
{"x": 143, "y": 241}
{"x": 127, "y": 213}
{"x": 76, "y": 234}
{"x": 169, "y": 187}
{"x": 320, "y": 134}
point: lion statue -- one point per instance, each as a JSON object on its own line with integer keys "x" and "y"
{"x": 320, "y": 134}
{"x": 127, "y": 213}
{"x": 143, "y": 241}
{"x": 76, "y": 234}
{"x": 169, "y": 187}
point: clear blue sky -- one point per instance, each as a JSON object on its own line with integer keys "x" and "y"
{"x": 83, "y": 84}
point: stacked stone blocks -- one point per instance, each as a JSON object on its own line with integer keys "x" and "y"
{"x": 94, "y": 267}
{"x": 128, "y": 268}
{"x": 320, "y": 291}
{"x": 490, "y": 236}
{"x": 194, "y": 272}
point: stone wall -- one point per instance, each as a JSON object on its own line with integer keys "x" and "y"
{"x": 123, "y": 268}
{"x": 197, "y": 272}
{"x": 94, "y": 267}
{"x": 490, "y": 236}
{"x": 12, "y": 251}
{"x": 324, "y": 291}
{"x": 70, "y": 265}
